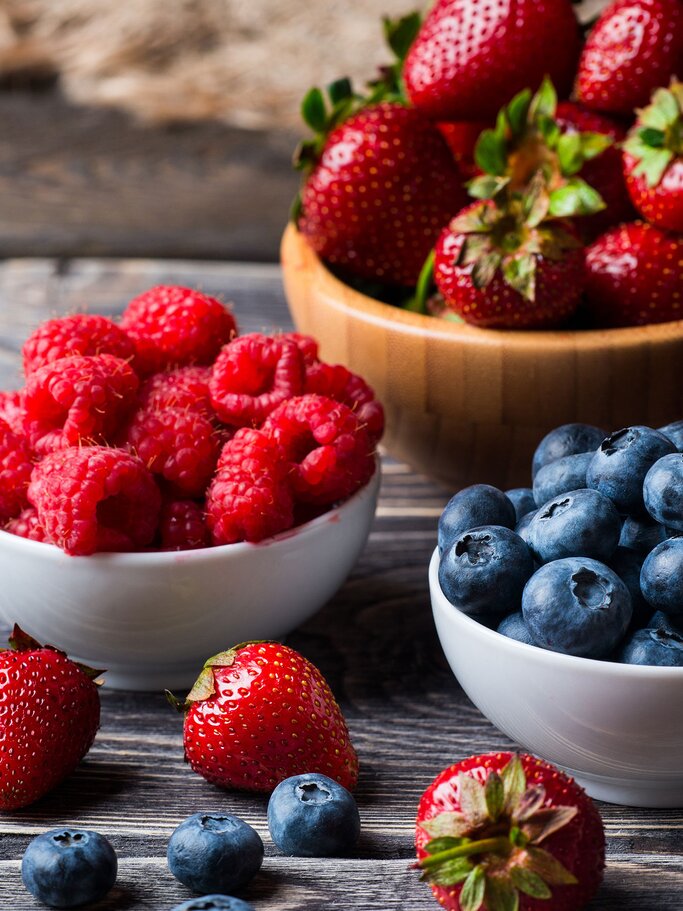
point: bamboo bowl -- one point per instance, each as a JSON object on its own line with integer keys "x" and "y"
{"x": 467, "y": 405}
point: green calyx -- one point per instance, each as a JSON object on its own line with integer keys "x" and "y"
{"x": 491, "y": 845}
{"x": 657, "y": 138}
{"x": 20, "y": 641}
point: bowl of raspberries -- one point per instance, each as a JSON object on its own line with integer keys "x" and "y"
{"x": 166, "y": 482}
{"x": 560, "y": 607}
{"x": 491, "y": 231}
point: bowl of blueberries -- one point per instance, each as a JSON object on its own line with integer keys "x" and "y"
{"x": 560, "y": 607}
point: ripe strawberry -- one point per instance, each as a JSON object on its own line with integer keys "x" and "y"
{"x": 462, "y": 137}
{"x": 501, "y": 832}
{"x": 49, "y": 718}
{"x": 259, "y": 713}
{"x": 635, "y": 46}
{"x": 634, "y": 276}
{"x": 653, "y": 159}
{"x": 469, "y": 58}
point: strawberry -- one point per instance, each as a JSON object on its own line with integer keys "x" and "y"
{"x": 462, "y": 137}
{"x": 471, "y": 56}
{"x": 653, "y": 159}
{"x": 259, "y": 713}
{"x": 634, "y": 276}
{"x": 49, "y": 718}
{"x": 635, "y": 46}
{"x": 502, "y": 832}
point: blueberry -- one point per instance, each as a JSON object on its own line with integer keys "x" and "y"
{"x": 567, "y": 473}
{"x": 214, "y": 903}
{"x": 661, "y": 578}
{"x": 577, "y": 606}
{"x": 210, "y": 852}
{"x": 514, "y": 627}
{"x": 477, "y": 505}
{"x": 641, "y": 536}
{"x": 484, "y": 571}
{"x": 522, "y": 498}
{"x": 660, "y": 620}
{"x": 619, "y": 466}
{"x": 627, "y": 565}
{"x": 313, "y": 816}
{"x": 65, "y": 868}
{"x": 569, "y": 439}
{"x": 663, "y": 491}
{"x": 674, "y": 432}
{"x": 580, "y": 523}
{"x": 522, "y": 527}
{"x": 658, "y": 647}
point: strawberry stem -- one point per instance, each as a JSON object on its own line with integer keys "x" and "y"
{"x": 418, "y": 303}
{"x": 498, "y": 845}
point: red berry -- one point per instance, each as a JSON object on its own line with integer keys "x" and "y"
{"x": 27, "y": 525}
{"x": 462, "y": 137}
{"x": 95, "y": 499}
{"x": 80, "y": 334}
{"x": 12, "y": 411}
{"x": 78, "y": 401}
{"x": 252, "y": 376}
{"x": 48, "y": 721}
{"x": 260, "y": 713}
{"x": 331, "y": 452}
{"x": 182, "y": 525}
{"x": 338, "y": 383}
{"x": 252, "y": 451}
{"x": 306, "y": 344}
{"x": 16, "y": 465}
{"x": 173, "y": 326}
{"x": 186, "y": 388}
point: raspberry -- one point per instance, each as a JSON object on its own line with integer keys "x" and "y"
{"x": 78, "y": 400}
{"x": 179, "y": 445}
{"x": 12, "y": 411}
{"x": 252, "y": 376}
{"x": 27, "y": 525}
{"x": 67, "y": 336}
{"x": 95, "y": 499}
{"x": 182, "y": 526}
{"x": 306, "y": 344}
{"x": 15, "y": 472}
{"x": 336, "y": 382}
{"x": 245, "y": 507}
{"x": 331, "y": 450}
{"x": 185, "y": 388}
{"x": 173, "y": 326}
{"x": 252, "y": 451}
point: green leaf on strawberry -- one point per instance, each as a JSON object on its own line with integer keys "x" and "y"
{"x": 657, "y": 138}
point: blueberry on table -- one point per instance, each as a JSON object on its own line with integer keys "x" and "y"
{"x": 484, "y": 572}
{"x": 567, "y": 473}
{"x": 569, "y": 439}
{"x": 313, "y": 816}
{"x": 674, "y": 432}
{"x": 621, "y": 462}
{"x": 514, "y": 627}
{"x": 65, "y": 868}
{"x": 477, "y": 505}
{"x": 215, "y": 903}
{"x": 661, "y": 578}
{"x": 659, "y": 647}
{"x": 627, "y": 565}
{"x": 210, "y": 852}
{"x": 641, "y": 535}
{"x": 522, "y": 498}
{"x": 663, "y": 491}
{"x": 579, "y": 523}
{"x": 577, "y": 606}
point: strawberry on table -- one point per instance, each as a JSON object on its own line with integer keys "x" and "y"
{"x": 502, "y": 832}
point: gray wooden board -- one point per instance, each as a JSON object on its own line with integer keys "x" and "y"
{"x": 375, "y": 643}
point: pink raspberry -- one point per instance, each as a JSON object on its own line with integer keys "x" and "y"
{"x": 78, "y": 401}
{"x": 27, "y": 525}
{"x": 12, "y": 411}
{"x": 252, "y": 376}
{"x": 252, "y": 451}
{"x": 336, "y": 382}
{"x": 16, "y": 465}
{"x": 173, "y": 326}
{"x": 186, "y": 388}
{"x": 67, "y": 336}
{"x": 182, "y": 526}
{"x": 306, "y": 344}
{"x": 94, "y": 498}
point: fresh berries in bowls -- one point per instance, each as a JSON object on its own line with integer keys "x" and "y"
{"x": 579, "y": 523}
{"x": 654, "y": 648}
{"x": 67, "y": 868}
{"x": 569, "y": 439}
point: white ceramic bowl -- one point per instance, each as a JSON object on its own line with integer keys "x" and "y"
{"x": 618, "y": 729}
{"x": 152, "y": 619}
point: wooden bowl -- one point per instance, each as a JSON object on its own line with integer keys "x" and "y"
{"x": 467, "y": 405}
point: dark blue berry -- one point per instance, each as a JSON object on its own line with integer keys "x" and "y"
{"x": 514, "y": 627}
{"x": 660, "y": 620}
{"x": 313, "y": 816}
{"x": 663, "y": 491}
{"x": 620, "y": 464}
{"x": 522, "y": 498}
{"x": 522, "y": 527}
{"x": 65, "y": 868}
{"x": 483, "y": 573}
{"x": 641, "y": 536}
{"x": 211, "y": 852}
{"x": 477, "y": 505}
{"x": 567, "y": 473}
{"x": 215, "y": 903}
{"x": 569, "y": 439}
{"x": 674, "y": 432}
{"x": 661, "y": 578}
{"x": 659, "y": 647}
{"x": 577, "y": 606}
{"x": 580, "y": 523}
{"x": 627, "y": 565}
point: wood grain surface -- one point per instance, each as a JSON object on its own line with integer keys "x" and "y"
{"x": 374, "y": 641}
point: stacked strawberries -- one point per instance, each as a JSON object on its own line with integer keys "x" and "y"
{"x": 169, "y": 431}
{"x": 478, "y": 101}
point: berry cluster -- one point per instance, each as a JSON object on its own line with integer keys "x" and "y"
{"x": 588, "y": 562}
{"x": 169, "y": 431}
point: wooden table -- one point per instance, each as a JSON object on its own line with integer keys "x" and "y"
{"x": 375, "y": 643}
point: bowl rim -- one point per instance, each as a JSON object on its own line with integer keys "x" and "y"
{"x": 352, "y": 301}
{"x": 44, "y": 550}
{"x": 534, "y": 652}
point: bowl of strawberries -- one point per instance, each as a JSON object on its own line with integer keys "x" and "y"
{"x": 167, "y": 483}
{"x": 492, "y": 233}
